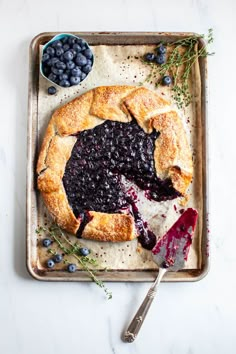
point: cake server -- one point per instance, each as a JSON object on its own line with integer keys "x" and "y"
{"x": 170, "y": 254}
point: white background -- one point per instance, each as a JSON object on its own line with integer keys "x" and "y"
{"x": 38, "y": 317}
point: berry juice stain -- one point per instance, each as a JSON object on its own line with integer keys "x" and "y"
{"x": 92, "y": 178}
{"x": 178, "y": 239}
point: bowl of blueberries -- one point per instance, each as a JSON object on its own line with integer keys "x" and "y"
{"x": 66, "y": 61}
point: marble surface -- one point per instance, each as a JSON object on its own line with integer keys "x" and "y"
{"x": 38, "y": 317}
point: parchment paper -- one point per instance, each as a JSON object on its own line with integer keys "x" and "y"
{"x": 121, "y": 65}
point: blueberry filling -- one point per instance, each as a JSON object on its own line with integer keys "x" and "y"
{"x": 101, "y": 155}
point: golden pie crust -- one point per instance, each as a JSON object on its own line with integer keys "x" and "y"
{"x": 172, "y": 153}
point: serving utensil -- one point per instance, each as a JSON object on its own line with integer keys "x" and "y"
{"x": 170, "y": 254}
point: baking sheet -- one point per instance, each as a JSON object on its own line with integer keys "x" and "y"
{"x": 120, "y": 64}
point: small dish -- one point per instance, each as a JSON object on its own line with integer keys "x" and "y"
{"x": 66, "y": 60}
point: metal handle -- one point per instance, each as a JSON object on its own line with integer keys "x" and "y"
{"x": 136, "y": 324}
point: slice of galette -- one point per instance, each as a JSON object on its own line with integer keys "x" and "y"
{"x": 94, "y": 141}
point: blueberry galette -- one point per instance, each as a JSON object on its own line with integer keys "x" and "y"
{"x": 99, "y": 139}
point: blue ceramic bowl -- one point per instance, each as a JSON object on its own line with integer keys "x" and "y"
{"x": 60, "y": 37}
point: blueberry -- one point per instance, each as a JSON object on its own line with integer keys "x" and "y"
{"x": 86, "y": 69}
{"x": 88, "y": 53}
{"x": 57, "y": 44}
{"x": 80, "y": 60}
{"x": 70, "y": 65}
{"x": 63, "y": 77}
{"x": 57, "y": 71}
{"x": 74, "y": 80}
{"x": 51, "y": 51}
{"x": 81, "y": 42}
{"x": 54, "y": 61}
{"x": 60, "y": 65}
{"x": 59, "y": 52}
{"x": 161, "y": 49}
{"x": 52, "y": 77}
{"x": 46, "y": 242}
{"x": 50, "y": 263}
{"x": 76, "y": 47}
{"x": 45, "y": 57}
{"x": 149, "y": 57}
{"x": 84, "y": 251}
{"x": 160, "y": 59}
{"x": 71, "y": 40}
{"x": 64, "y": 83}
{"x": 76, "y": 71}
{"x": 83, "y": 76}
{"x": 68, "y": 56}
{"x": 166, "y": 80}
{"x": 66, "y": 47}
{"x": 71, "y": 268}
{"x": 89, "y": 62}
{"x": 52, "y": 90}
{"x": 64, "y": 40}
{"x": 46, "y": 69}
{"x": 58, "y": 258}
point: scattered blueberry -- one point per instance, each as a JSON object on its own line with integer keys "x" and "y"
{"x": 166, "y": 80}
{"x": 161, "y": 49}
{"x": 70, "y": 65}
{"x": 64, "y": 83}
{"x": 84, "y": 251}
{"x": 149, "y": 57}
{"x": 50, "y": 51}
{"x": 86, "y": 69}
{"x": 160, "y": 59}
{"x": 68, "y": 55}
{"x": 74, "y": 80}
{"x": 81, "y": 60}
{"x": 58, "y": 258}
{"x": 71, "y": 268}
{"x": 51, "y": 91}
{"x": 88, "y": 53}
{"x": 46, "y": 242}
{"x": 50, "y": 263}
{"x": 45, "y": 57}
{"x": 76, "y": 71}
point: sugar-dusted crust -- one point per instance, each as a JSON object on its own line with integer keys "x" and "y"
{"x": 119, "y": 103}
{"x": 172, "y": 155}
{"x": 110, "y": 227}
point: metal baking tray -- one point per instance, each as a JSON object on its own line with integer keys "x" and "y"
{"x": 137, "y": 275}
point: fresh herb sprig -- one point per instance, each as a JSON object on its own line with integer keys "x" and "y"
{"x": 72, "y": 249}
{"x": 182, "y": 55}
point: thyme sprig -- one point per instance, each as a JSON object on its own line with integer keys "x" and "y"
{"x": 72, "y": 249}
{"x": 183, "y": 54}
